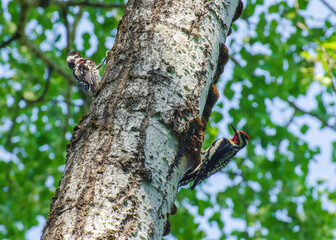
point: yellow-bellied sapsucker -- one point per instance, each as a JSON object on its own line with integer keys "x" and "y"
{"x": 215, "y": 158}
{"x": 85, "y": 71}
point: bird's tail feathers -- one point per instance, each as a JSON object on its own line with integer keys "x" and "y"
{"x": 188, "y": 177}
{"x": 196, "y": 181}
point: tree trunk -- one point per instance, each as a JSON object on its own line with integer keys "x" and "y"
{"x": 145, "y": 125}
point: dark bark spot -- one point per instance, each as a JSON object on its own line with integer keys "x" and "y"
{"x": 167, "y": 229}
{"x": 239, "y": 11}
{"x": 213, "y": 96}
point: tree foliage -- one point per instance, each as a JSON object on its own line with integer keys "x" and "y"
{"x": 279, "y": 55}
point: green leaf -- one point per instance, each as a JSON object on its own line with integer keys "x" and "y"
{"x": 216, "y": 116}
{"x": 333, "y": 157}
{"x": 304, "y": 129}
{"x": 86, "y": 38}
{"x": 216, "y": 217}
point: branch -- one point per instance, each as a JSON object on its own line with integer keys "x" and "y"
{"x": 23, "y": 18}
{"x": 48, "y": 62}
{"x": 290, "y": 120}
{"x": 329, "y": 68}
{"x": 25, "y": 41}
{"x": 328, "y": 6}
{"x": 5, "y": 43}
{"x": 15, "y": 115}
{"x": 21, "y": 24}
{"x": 325, "y": 123}
{"x": 16, "y": 111}
{"x": 67, "y": 27}
{"x": 65, "y": 4}
{"x": 87, "y": 4}
{"x": 76, "y": 22}
{"x": 234, "y": 60}
{"x": 45, "y": 90}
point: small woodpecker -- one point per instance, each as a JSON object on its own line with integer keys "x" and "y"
{"x": 85, "y": 71}
{"x": 215, "y": 158}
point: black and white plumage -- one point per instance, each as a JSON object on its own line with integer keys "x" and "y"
{"x": 85, "y": 71}
{"x": 215, "y": 158}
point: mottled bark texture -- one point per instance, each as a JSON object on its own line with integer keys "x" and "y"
{"x": 145, "y": 125}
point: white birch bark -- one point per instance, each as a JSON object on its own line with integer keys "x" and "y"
{"x": 129, "y": 151}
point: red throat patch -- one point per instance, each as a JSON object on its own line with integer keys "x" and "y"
{"x": 235, "y": 139}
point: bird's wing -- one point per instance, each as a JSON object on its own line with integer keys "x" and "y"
{"x": 215, "y": 160}
{"x": 87, "y": 76}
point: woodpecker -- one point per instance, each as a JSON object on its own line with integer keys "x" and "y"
{"x": 85, "y": 71}
{"x": 215, "y": 158}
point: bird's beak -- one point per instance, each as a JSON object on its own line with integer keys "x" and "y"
{"x": 234, "y": 129}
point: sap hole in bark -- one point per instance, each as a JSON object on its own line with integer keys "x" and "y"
{"x": 170, "y": 70}
{"x": 135, "y": 129}
{"x": 212, "y": 66}
{"x": 186, "y": 73}
{"x": 186, "y": 88}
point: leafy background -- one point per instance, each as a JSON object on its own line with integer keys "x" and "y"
{"x": 277, "y": 87}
